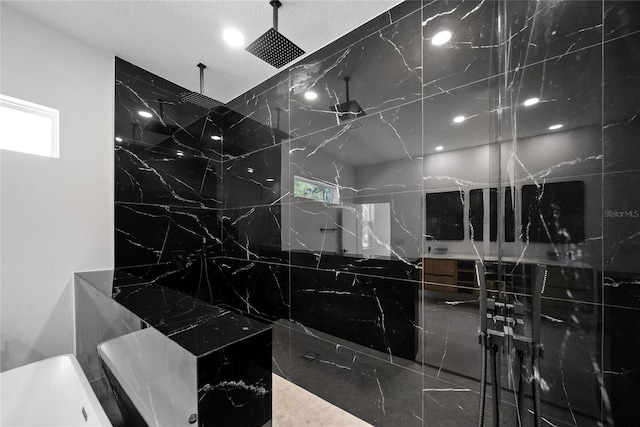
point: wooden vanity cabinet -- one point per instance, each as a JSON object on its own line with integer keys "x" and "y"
{"x": 448, "y": 275}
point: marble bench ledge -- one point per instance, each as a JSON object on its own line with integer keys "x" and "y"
{"x": 198, "y": 327}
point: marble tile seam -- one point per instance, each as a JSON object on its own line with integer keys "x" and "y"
{"x": 621, "y": 307}
{"x": 491, "y": 76}
{"x": 488, "y": 77}
{"x": 328, "y": 270}
{"x": 420, "y": 99}
{"x": 168, "y": 205}
{"x": 619, "y": 37}
{"x": 525, "y": 180}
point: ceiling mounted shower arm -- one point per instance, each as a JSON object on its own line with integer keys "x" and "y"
{"x": 276, "y": 4}
{"x": 347, "y": 79}
{"x": 272, "y": 47}
{"x": 350, "y": 109}
{"x": 199, "y": 98}
{"x": 202, "y": 67}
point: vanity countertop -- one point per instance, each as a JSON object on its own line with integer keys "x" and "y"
{"x": 197, "y": 326}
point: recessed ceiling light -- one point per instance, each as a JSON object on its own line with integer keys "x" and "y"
{"x": 439, "y": 148}
{"x": 216, "y": 137}
{"x": 233, "y": 37}
{"x": 310, "y": 95}
{"x": 118, "y": 139}
{"x": 145, "y": 114}
{"x": 554, "y": 127}
{"x": 269, "y": 179}
{"x": 441, "y": 38}
{"x": 531, "y": 101}
{"x": 250, "y": 170}
{"x": 459, "y": 119}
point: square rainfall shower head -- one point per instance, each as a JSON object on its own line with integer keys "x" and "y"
{"x": 200, "y": 100}
{"x": 348, "y": 110}
{"x": 274, "y": 49}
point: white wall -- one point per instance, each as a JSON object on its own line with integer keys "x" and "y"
{"x": 57, "y": 214}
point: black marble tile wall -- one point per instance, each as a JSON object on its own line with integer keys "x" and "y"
{"x": 260, "y": 121}
{"x": 168, "y": 182}
{"x": 235, "y": 383}
{"x": 253, "y": 179}
{"x": 376, "y": 312}
{"x": 620, "y": 370}
{"x": 621, "y": 242}
{"x": 312, "y": 210}
{"x": 544, "y": 30}
{"x": 152, "y": 176}
{"x": 470, "y": 55}
{"x": 151, "y": 234}
{"x": 216, "y": 360}
{"x": 254, "y": 232}
{"x": 388, "y": 60}
{"x": 258, "y": 287}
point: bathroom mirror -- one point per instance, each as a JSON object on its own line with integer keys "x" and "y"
{"x": 444, "y": 215}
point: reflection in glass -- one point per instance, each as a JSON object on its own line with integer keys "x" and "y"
{"x": 367, "y": 225}
{"x": 509, "y": 216}
{"x": 445, "y": 215}
{"x": 553, "y": 213}
{"x": 315, "y": 190}
{"x": 476, "y": 215}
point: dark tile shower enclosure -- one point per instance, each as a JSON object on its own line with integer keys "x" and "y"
{"x": 357, "y": 238}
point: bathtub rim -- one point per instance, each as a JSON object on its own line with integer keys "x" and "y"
{"x": 59, "y": 361}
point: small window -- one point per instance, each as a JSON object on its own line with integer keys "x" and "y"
{"x": 28, "y": 128}
{"x": 315, "y": 190}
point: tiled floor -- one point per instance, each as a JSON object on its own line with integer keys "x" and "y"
{"x": 294, "y": 406}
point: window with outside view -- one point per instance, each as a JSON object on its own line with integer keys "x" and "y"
{"x": 315, "y": 190}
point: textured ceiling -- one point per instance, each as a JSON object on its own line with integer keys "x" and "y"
{"x": 169, "y": 38}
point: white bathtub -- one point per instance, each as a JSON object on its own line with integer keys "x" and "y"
{"x": 158, "y": 376}
{"x": 52, "y": 392}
